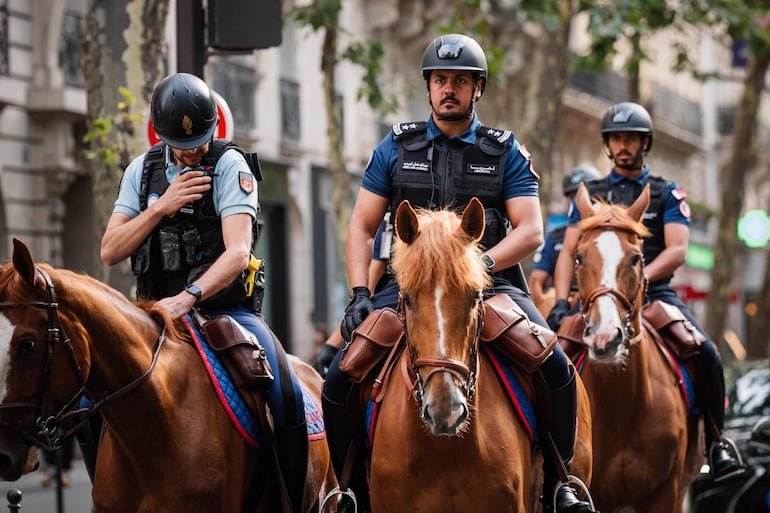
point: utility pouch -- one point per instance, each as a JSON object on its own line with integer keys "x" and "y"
{"x": 170, "y": 249}
{"x": 239, "y": 351}
{"x": 232, "y": 295}
{"x": 370, "y": 343}
{"x": 674, "y": 328}
{"x": 523, "y": 342}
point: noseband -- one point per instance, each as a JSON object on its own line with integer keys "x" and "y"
{"x": 466, "y": 374}
{"x": 47, "y": 433}
{"x": 630, "y": 305}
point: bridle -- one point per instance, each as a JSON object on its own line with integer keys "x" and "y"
{"x": 47, "y": 432}
{"x": 630, "y": 336}
{"x": 467, "y": 374}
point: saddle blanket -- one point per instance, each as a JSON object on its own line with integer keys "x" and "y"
{"x": 522, "y": 405}
{"x": 241, "y": 416}
{"x": 686, "y": 386}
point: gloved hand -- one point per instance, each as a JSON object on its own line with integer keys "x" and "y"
{"x": 559, "y": 311}
{"x": 358, "y": 309}
{"x": 324, "y": 359}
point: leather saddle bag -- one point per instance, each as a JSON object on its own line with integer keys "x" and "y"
{"x": 370, "y": 343}
{"x": 239, "y": 351}
{"x": 570, "y": 335}
{"x": 523, "y": 342}
{"x": 674, "y": 328}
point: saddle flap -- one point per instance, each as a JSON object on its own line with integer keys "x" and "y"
{"x": 240, "y": 352}
{"x": 370, "y": 342}
{"x": 524, "y": 342}
{"x": 678, "y": 332}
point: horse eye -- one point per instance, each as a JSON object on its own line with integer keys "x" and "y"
{"x": 636, "y": 259}
{"x": 578, "y": 260}
{"x": 407, "y": 300}
{"x": 27, "y": 345}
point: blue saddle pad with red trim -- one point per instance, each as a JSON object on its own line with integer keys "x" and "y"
{"x": 240, "y": 415}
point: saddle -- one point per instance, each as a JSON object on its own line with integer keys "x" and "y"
{"x": 666, "y": 323}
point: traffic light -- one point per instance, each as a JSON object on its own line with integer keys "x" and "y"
{"x": 244, "y": 24}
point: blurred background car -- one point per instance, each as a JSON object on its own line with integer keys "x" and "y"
{"x": 747, "y": 423}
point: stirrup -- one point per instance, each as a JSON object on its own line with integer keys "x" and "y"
{"x": 345, "y": 493}
{"x": 728, "y": 445}
{"x": 580, "y": 484}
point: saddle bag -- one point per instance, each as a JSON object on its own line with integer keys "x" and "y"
{"x": 674, "y": 328}
{"x": 370, "y": 343}
{"x": 523, "y": 342}
{"x": 239, "y": 351}
{"x": 570, "y": 335}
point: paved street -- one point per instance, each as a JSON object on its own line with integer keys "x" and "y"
{"x": 36, "y": 498}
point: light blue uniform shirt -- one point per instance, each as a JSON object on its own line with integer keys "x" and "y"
{"x": 229, "y": 198}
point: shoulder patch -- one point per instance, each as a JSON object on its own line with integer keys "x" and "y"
{"x": 527, "y": 155}
{"x": 246, "y": 181}
{"x": 678, "y": 194}
{"x": 684, "y": 209}
{"x": 498, "y": 135}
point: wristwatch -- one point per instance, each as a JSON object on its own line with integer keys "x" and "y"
{"x": 488, "y": 261}
{"x": 193, "y": 289}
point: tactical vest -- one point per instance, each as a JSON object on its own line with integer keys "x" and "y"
{"x": 183, "y": 246}
{"x": 433, "y": 177}
{"x": 557, "y": 237}
{"x": 625, "y": 193}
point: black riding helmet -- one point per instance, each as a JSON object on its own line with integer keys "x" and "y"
{"x": 455, "y": 51}
{"x": 579, "y": 174}
{"x": 628, "y": 117}
{"x": 183, "y": 111}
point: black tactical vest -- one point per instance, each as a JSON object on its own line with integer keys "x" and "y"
{"x": 183, "y": 246}
{"x": 625, "y": 193}
{"x": 433, "y": 177}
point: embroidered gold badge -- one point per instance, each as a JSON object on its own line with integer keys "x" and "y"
{"x": 187, "y": 124}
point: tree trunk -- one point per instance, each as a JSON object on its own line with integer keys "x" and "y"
{"x": 733, "y": 182}
{"x": 124, "y": 45}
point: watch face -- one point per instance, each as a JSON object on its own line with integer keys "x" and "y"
{"x": 488, "y": 261}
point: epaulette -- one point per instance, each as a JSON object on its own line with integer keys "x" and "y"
{"x": 412, "y": 127}
{"x": 493, "y": 141}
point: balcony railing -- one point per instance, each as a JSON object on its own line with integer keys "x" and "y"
{"x": 4, "y": 64}
{"x": 71, "y": 41}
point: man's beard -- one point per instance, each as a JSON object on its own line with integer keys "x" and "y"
{"x": 454, "y": 116}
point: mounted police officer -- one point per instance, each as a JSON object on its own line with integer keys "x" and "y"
{"x": 544, "y": 260}
{"x": 186, "y": 216}
{"x": 445, "y": 161}
{"x": 627, "y": 135}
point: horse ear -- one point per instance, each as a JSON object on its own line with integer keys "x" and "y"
{"x": 407, "y": 227}
{"x": 583, "y": 201}
{"x": 639, "y": 207}
{"x": 473, "y": 221}
{"x": 22, "y": 261}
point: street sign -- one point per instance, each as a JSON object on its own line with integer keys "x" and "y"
{"x": 754, "y": 228}
{"x": 224, "y": 128}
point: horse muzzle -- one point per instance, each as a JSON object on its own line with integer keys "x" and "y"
{"x": 16, "y": 460}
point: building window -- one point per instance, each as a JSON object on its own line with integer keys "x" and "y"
{"x": 236, "y": 83}
{"x": 71, "y": 41}
{"x": 4, "y": 64}
{"x": 290, "y": 127}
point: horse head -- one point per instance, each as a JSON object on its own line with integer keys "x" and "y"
{"x": 441, "y": 278}
{"x": 609, "y": 268}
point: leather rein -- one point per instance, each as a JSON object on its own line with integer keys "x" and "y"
{"x": 467, "y": 374}
{"x": 629, "y": 334}
{"x": 48, "y": 432}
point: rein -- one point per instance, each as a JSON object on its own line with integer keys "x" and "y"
{"x": 46, "y": 433}
{"x": 630, "y": 337}
{"x": 467, "y": 374}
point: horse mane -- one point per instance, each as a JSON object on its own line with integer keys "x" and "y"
{"x": 441, "y": 253}
{"x": 607, "y": 215}
{"x": 80, "y": 285}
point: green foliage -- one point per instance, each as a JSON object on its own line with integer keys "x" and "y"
{"x": 318, "y": 14}
{"x": 369, "y": 56}
{"x": 111, "y": 134}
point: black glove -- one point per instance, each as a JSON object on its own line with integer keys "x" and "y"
{"x": 324, "y": 359}
{"x": 559, "y": 311}
{"x": 358, "y": 309}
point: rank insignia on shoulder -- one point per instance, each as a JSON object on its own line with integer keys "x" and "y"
{"x": 246, "y": 181}
{"x": 678, "y": 193}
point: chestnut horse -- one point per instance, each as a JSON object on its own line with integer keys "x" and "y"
{"x": 649, "y": 449}
{"x": 447, "y": 437}
{"x": 169, "y": 446}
